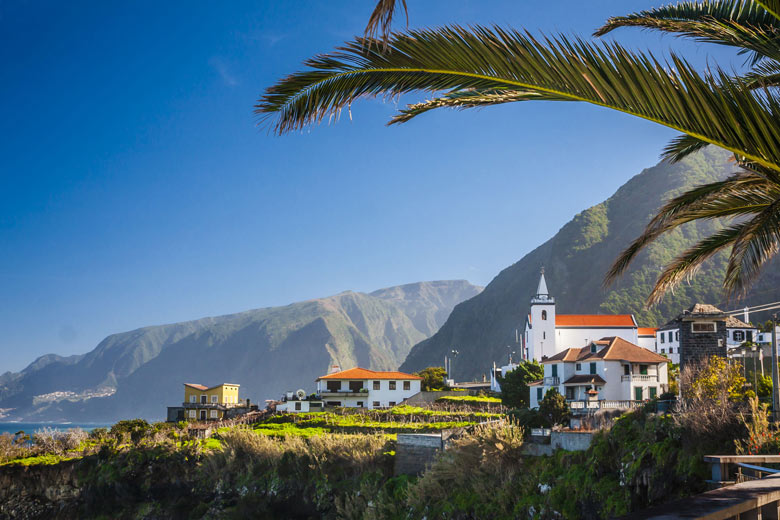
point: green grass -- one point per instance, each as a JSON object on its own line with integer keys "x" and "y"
{"x": 38, "y": 460}
{"x": 468, "y": 399}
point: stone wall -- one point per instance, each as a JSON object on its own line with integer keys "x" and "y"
{"x": 571, "y": 441}
{"x": 413, "y": 452}
{"x": 695, "y": 347}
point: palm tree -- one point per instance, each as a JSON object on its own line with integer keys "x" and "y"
{"x": 481, "y": 66}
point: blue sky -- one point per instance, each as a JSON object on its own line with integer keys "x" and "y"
{"x": 137, "y": 188}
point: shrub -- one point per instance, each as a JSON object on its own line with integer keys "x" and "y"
{"x": 553, "y": 408}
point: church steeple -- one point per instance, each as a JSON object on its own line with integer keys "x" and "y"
{"x": 542, "y": 294}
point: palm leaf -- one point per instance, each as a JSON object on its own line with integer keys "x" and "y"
{"x": 470, "y": 99}
{"x": 755, "y": 245}
{"x": 715, "y": 108}
{"x": 681, "y": 147}
{"x": 744, "y": 24}
{"x": 381, "y": 20}
{"x": 686, "y": 265}
{"x": 771, "y": 6}
{"x": 743, "y": 194}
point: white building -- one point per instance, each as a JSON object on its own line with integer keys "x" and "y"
{"x": 610, "y": 369}
{"x": 647, "y": 337}
{"x": 548, "y": 333}
{"x": 299, "y": 402}
{"x": 363, "y": 388}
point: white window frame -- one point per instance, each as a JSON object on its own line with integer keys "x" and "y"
{"x": 193, "y": 399}
{"x": 713, "y": 323}
{"x": 212, "y": 414}
{"x": 193, "y": 414}
{"x": 739, "y": 335}
{"x": 214, "y": 399}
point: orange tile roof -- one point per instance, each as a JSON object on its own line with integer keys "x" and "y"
{"x": 617, "y": 349}
{"x": 364, "y": 373}
{"x": 594, "y": 320}
{"x": 647, "y": 331}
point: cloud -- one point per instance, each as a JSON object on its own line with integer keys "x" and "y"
{"x": 221, "y": 68}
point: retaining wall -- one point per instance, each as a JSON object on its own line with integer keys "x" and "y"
{"x": 415, "y": 451}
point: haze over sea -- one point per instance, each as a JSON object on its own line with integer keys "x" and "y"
{"x": 30, "y": 428}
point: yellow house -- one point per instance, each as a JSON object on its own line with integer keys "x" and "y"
{"x": 202, "y": 403}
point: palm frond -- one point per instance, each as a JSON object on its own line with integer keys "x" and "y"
{"x": 771, "y": 6}
{"x": 714, "y": 108}
{"x": 381, "y": 20}
{"x": 682, "y": 146}
{"x": 686, "y": 265}
{"x": 743, "y": 194}
{"x": 470, "y": 99}
{"x": 744, "y": 24}
{"x": 764, "y": 75}
{"x": 756, "y": 244}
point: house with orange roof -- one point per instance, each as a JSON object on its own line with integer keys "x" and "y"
{"x": 363, "y": 388}
{"x": 608, "y": 373}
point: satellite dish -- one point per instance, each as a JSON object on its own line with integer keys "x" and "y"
{"x": 301, "y": 393}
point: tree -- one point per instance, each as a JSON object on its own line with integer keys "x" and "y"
{"x": 713, "y": 379}
{"x": 433, "y": 378}
{"x": 553, "y": 408}
{"x": 479, "y": 66}
{"x": 514, "y": 386}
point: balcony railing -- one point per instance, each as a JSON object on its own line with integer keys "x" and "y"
{"x": 552, "y": 381}
{"x": 604, "y": 404}
{"x": 640, "y": 378}
{"x": 218, "y": 406}
{"x": 343, "y": 393}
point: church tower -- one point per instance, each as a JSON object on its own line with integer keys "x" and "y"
{"x": 541, "y": 340}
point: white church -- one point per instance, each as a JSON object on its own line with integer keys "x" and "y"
{"x": 547, "y": 333}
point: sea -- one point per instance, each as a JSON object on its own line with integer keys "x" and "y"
{"x": 30, "y": 428}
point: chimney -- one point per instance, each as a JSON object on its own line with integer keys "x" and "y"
{"x": 334, "y": 369}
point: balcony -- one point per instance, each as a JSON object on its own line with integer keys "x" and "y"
{"x": 580, "y": 406}
{"x": 552, "y": 381}
{"x": 639, "y": 378}
{"x": 343, "y": 393}
{"x": 216, "y": 406}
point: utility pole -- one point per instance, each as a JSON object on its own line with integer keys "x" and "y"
{"x": 454, "y": 354}
{"x": 775, "y": 375}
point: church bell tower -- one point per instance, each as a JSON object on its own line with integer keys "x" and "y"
{"x": 542, "y": 337}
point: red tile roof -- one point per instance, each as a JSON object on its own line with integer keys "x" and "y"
{"x": 594, "y": 320}
{"x": 647, "y": 331}
{"x": 616, "y": 349}
{"x": 364, "y": 373}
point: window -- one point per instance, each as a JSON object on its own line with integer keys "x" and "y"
{"x": 407, "y": 385}
{"x": 663, "y": 351}
{"x": 392, "y": 386}
{"x": 355, "y": 386}
{"x": 391, "y": 403}
{"x": 538, "y": 394}
{"x": 569, "y": 392}
{"x": 376, "y": 403}
{"x": 333, "y": 403}
{"x": 750, "y": 335}
{"x": 376, "y": 385}
{"x": 213, "y": 414}
{"x": 643, "y": 369}
{"x": 739, "y": 335}
{"x": 203, "y": 399}
{"x": 677, "y": 335}
{"x": 334, "y": 386}
{"x": 663, "y": 338}
{"x": 593, "y": 348}
{"x": 593, "y": 368}
{"x": 193, "y": 398}
{"x": 578, "y": 366}
{"x": 653, "y": 391}
{"x": 544, "y": 315}
{"x": 193, "y": 414}
{"x": 214, "y": 399}
{"x": 554, "y": 369}
{"x": 626, "y": 370}
{"x": 297, "y": 405}
{"x": 360, "y": 404}
{"x": 703, "y": 326}
{"x": 315, "y": 405}
{"x": 544, "y": 335}
{"x": 671, "y": 350}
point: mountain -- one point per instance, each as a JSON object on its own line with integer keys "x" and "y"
{"x": 267, "y": 351}
{"x": 575, "y": 261}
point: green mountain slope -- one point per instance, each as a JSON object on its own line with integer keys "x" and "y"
{"x": 575, "y": 261}
{"x": 267, "y": 351}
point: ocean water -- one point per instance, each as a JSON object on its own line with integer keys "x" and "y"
{"x": 30, "y": 428}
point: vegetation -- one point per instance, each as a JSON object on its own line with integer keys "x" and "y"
{"x": 514, "y": 386}
{"x": 480, "y": 66}
{"x": 479, "y": 399}
{"x": 433, "y": 378}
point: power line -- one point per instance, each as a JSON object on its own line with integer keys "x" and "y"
{"x": 757, "y": 308}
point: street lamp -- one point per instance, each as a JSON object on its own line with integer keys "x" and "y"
{"x": 452, "y": 359}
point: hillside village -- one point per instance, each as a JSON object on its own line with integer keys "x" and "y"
{"x": 595, "y": 361}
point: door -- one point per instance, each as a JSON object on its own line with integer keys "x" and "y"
{"x": 653, "y": 391}
{"x": 638, "y": 393}
{"x": 203, "y": 415}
